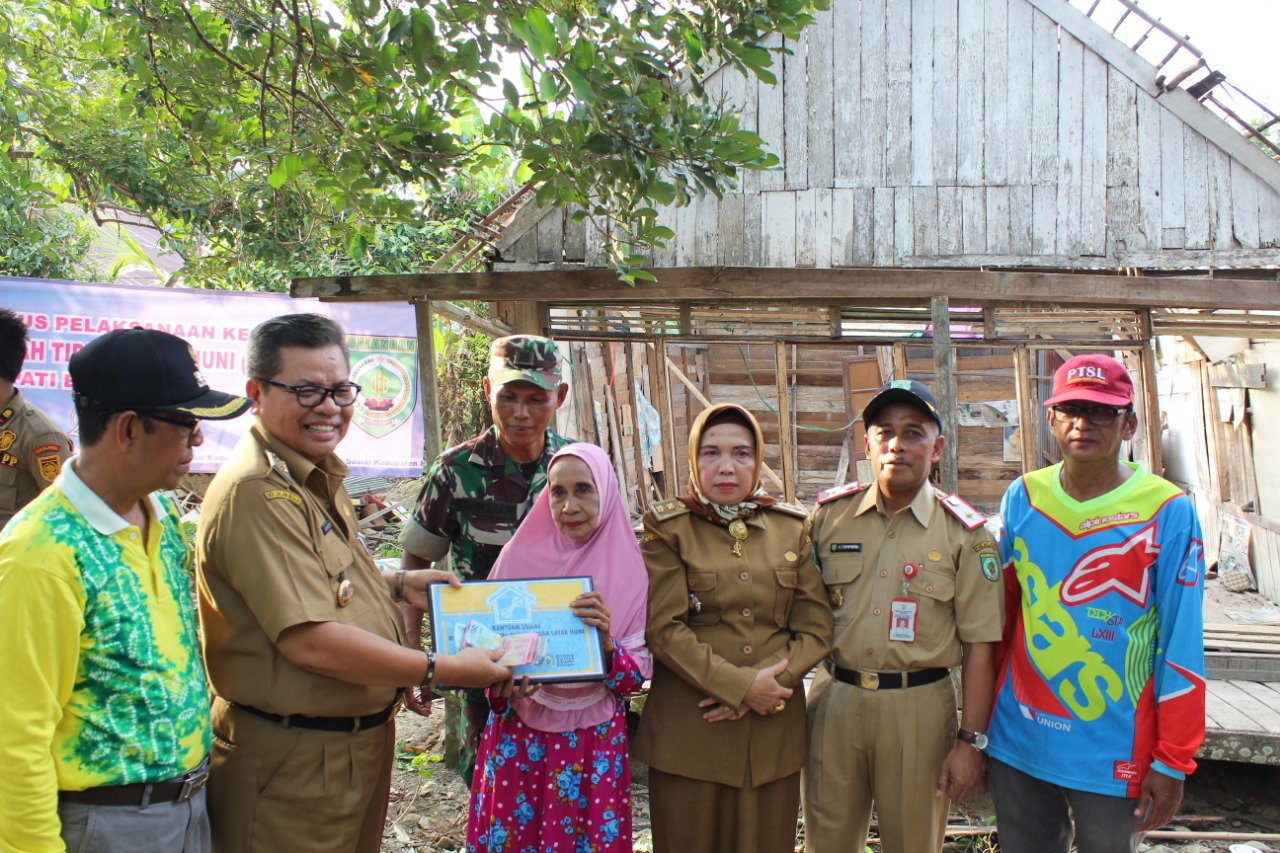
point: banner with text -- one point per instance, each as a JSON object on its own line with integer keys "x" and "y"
{"x": 385, "y": 438}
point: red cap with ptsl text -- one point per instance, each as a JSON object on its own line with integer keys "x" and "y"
{"x": 1094, "y": 378}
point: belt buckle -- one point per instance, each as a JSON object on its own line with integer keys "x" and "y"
{"x": 869, "y": 680}
{"x": 191, "y": 787}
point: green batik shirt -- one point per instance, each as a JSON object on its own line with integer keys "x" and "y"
{"x": 102, "y": 682}
{"x": 476, "y": 497}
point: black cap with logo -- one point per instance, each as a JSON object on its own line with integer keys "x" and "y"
{"x": 147, "y": 370}
{"x": 907, "y": 391}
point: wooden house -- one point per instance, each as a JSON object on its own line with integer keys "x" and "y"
{"x": 970, "y": 191}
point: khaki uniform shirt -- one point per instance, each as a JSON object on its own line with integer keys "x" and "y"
{"x": 714, "y": 620}
{"x": 32, "y": 450}
{"x": 861, "y": 553}
{"x": 277, "y": 538}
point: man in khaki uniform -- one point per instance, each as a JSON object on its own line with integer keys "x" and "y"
{"x": 302, "y": 637}
{"x": 913, "y": 580}
{"x": 32, "y": 448}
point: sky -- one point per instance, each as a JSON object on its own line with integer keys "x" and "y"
{"x": 1237, "y": 37}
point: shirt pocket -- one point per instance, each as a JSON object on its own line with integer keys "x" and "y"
{"x": 839, "y": 572}
{"x": 8, "y": 489}
{"x": 935, "y": 588}
{"x": 703, "y": 607}
{"x": 784, "y": 594}
{"x": 339, "y": 566}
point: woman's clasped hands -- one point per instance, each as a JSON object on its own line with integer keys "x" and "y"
{"x": 765, "y": 696}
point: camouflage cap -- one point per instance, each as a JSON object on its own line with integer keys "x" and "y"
{"x": 525, "y": 358}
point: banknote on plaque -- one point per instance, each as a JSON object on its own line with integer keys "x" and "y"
{"x": 530, "y": 620}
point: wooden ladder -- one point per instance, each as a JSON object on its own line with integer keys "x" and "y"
{"x": 1149, "y": 32}
{"x": 485, "y": 232}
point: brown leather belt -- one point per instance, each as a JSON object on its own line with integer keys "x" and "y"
{"x": 143, "y": 794}
{"x": 887, "y": 680}
{"x": 351, "y": 725}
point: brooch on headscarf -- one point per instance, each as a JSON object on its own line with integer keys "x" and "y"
{"x": 738, "y": 530}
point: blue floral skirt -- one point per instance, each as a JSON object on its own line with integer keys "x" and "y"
{"x": 542, "y": 792}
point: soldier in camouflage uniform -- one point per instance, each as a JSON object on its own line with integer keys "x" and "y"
{"x": 477, "y": 493}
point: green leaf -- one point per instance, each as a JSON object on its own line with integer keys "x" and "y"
{"x": 541, "y": 36}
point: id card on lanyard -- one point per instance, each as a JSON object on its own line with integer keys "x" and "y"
{"x": 902, "y": 610}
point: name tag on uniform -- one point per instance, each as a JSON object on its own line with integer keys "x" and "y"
{"x": 846, "y": 547}
{"x": 902, "y": 620}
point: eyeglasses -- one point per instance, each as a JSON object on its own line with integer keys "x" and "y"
{"x": 192, "y": 425}
{"x": 311, "y": 396}
{"x": 1097, "y": 415}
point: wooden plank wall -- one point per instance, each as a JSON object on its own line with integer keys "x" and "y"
{"x": 965, "y": 133}
{"x": 1216, "y": 476}
{"x": 746, "y": 374}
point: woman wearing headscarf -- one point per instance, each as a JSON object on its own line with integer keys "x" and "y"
{"x": 737, "y": 616}
{"x": 553, "y": 771}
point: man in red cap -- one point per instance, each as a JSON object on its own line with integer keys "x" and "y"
{"x": 1100, "y": 693}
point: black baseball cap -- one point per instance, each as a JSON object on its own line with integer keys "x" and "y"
{"x": 147, "y": 370}
{"x": 903, "y": 391}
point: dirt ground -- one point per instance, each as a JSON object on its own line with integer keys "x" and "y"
{"x": 429, "y": 814}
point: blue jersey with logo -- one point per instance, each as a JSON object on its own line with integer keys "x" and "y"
{"x": 1101, "y": 673}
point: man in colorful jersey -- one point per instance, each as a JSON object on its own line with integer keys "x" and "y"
{"x": 104, "y": 707}
{"x": 302, "y": 636}
{"x": 913, "y": 577}
{"x": 477, "y": 493}
{"x": 1100, "y": 696}
{"x": 32, "y": 448}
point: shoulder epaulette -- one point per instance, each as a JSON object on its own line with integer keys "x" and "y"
{"x": 963, "y": 511}
{"x": 669, "y": 509}
{"x": 791, "y": 509}
{"x": 839, "y": 491}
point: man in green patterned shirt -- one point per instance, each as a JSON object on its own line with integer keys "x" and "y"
{"x": 104, "y": 706}
{"x": 476, "y": 494}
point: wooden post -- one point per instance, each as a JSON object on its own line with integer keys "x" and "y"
{"x": 529, "y": 317}
{"x": 637, "y": 445}
{"x": 671, "y": 454}
{"x": 1028, "y": 423}
{"x": 945, "y": 389}
{"x": 427, "y": 380}
{"x": 784, "y": 422}
{"x": 899, "y": 362}
{"x": 431, "y": 448}
{"x": 1151, "y": 417}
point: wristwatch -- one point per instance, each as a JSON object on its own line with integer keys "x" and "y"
{"x": 977, "y": 740}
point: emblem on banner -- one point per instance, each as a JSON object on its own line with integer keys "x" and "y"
{"x": 388, "y": 382}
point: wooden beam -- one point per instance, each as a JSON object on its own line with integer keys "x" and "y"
{"x": 944, "y": 388}
{"x": 470, "y": 320}
{"x": 784, "y": 422}
{"x": 843, "y": 286}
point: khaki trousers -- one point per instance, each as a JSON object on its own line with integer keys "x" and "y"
{"x": 877, "y": 746}
{"x": 693, "y": 816}
{"x": 274, "y": 789}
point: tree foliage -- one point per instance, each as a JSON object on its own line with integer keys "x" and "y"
{"x": 247, "y": 127}
{"x": 39, "y": 236}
